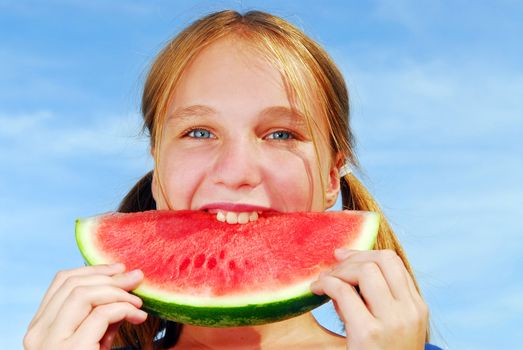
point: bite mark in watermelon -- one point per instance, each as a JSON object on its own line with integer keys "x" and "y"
{"x": 201, "y": 271}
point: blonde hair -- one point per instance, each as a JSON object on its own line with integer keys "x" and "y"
{"x": 313, "y": 84}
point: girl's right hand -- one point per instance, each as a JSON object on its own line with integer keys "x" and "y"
{"x": 84, "y": 307}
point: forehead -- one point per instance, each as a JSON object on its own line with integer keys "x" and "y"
{"x": 230, "y": 72}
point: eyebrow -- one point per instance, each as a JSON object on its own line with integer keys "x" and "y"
{"x": 206, "y": 111}
{"x": 192, "y": 111}
{"x": 284, "y": 112}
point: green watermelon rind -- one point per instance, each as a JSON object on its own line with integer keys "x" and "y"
{"x": 227, "y": 311}
{"x": 250, "y": 314}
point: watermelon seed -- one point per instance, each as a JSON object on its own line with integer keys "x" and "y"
{"x": 222, "y": 254}
{"x": 184, "y": 264}
{"x": 211, "y": 263}
{"x": 199, "y": 261}
{"x": 232, "y": 265}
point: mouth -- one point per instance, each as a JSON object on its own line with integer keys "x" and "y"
{"x": 236, "y": 213}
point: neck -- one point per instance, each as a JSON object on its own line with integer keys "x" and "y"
{"x": 269, "y": 336}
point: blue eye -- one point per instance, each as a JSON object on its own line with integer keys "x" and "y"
{"x": 282, "y": 135}
{"x": 200, "y": 134}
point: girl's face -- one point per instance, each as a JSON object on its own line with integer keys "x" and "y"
{"x": 230, "y": 138}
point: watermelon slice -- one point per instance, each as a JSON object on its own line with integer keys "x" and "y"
{"x": 201, "y": 271}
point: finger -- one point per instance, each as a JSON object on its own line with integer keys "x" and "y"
{"x": 416, "y": 296}
{"x": 55, "y": 303}
{"x": 63, "y": 276}
{"x": 83, "y": 299}
{"x": 350, "y": 306}
{"x": 107, "y": 341}
{"x": 371, "y": 282}
{"x": 123, "y": 281}
{"x": 390, "y": 264}
{"x": 92, "y": 330}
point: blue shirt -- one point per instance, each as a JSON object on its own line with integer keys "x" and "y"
{"x": 427, "y": 347}
{"x": 432, "y": 347}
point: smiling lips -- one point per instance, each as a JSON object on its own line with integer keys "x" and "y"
{"x": 235, "y": 213}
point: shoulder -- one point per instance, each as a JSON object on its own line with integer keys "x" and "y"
{"x": 335, "y": 341}
{"x": 340, "y": 343}
{"x": 328, "y": 340}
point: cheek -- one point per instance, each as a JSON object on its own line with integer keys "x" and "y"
{"x": 181, "y": 174}
{"x": 294, "y": 183}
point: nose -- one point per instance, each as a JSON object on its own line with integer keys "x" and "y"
{"x": 237, "y": 164}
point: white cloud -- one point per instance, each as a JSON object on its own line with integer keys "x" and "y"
{"x": 24, "y": 60}
{"x": 485, "y": 19}
{"x": 486, "y": 324}
{"x": 414, "y": 15}
{"x": 43, "y": 133}
{"x": 46, "y": 157}
{"x": 17, "y": 125}
{"x": 121, "y": 7}
{"x": 434, "y": 102}
{"x": 20, "y": 295}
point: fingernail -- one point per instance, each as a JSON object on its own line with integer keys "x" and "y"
{"x": 135, "y": 274}
{"x": 315, "y": 288}
{"x": 341, "y": 250}
{"x": 139, "y": 302}
{"x": 341, "y": 253}
{"x": 117, "y": 266}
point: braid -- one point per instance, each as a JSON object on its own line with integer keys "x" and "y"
{"x": 356, "y": 197}
{"x": 142, "y": 336}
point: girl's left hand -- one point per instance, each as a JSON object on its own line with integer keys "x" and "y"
{"x": 388, "y": 313}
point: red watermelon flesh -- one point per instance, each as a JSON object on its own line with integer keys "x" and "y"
{"x": 191, "y": 258}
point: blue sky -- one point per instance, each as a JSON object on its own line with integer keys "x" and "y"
{"x": 436, "y": 90}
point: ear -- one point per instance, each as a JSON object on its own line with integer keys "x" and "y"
{"x": 333, "y": 184}
{"x": 154, "y": 185}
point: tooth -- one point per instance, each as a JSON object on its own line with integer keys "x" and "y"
{"x": 220, "y": 216}
{"x": 243, "y": 218}
{"x": 231, "y": 218}
{"x": 253, "y": 216}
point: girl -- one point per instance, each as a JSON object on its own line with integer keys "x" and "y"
{"x": 245, "y": 113}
